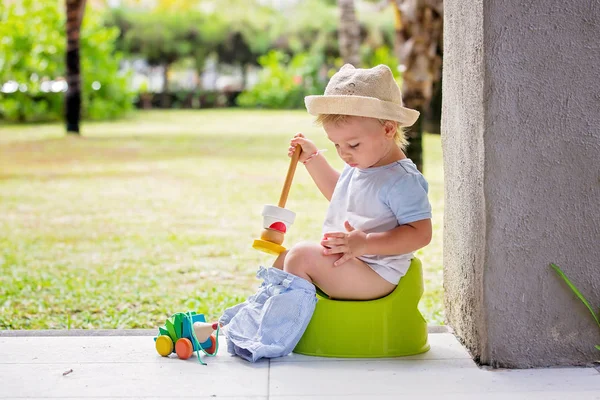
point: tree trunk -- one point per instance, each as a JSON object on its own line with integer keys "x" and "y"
{"x": 164, "y": 102}
{"x": 418, "y": 28}
{"x": 349, "y": 33}
{"x": 414, "y": 134}
{"x": 75, "y": 11}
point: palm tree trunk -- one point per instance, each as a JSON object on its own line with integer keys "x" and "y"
{"x": 418, "y": 28}
{"x": 75, "y": 11}
{"x": 414, "y": 134}
{"x": 165, "y": 101}
{"x": 349, "y": 33}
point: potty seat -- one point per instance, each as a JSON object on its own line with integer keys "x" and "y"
{"x": 391, "y": 326}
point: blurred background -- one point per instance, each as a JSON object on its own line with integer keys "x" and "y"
{"x": 178, "y": 114}
{"x": 186, "y": 54}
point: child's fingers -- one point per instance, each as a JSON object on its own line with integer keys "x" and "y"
{"x": 334, "y": 235}
{"x": 333, "y": 242}
{"x": 342, "y": 260}
{"x": 348, "y": 227}
{"x": 336, "y": 250}
{"x": 292, "y": 147}
{"x": 298, "y": 141}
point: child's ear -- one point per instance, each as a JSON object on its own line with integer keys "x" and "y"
{"x": 390, "y": 129}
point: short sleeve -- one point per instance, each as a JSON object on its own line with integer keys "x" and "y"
{"x": 407, "y": 198}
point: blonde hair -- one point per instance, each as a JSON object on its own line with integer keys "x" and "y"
{"x": 336, "y": 119}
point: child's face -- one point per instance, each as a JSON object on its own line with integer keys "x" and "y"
{"x": 361, "y": 142}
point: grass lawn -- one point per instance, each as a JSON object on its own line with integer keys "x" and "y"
{"x": 156, "y": 214}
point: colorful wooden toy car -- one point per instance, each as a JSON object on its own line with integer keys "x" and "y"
{"x": 185, "y": 333}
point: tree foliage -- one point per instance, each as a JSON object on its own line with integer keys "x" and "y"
{"x": 164, "y": 36}
{"x": 32, "y": 56}
{"x": 239, "y": 31}
{"x": 284, "y": 81}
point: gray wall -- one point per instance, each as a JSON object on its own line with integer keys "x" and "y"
{"x": 521, "y": 140}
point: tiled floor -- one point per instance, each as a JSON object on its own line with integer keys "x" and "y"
{"x": 128, "y": 367}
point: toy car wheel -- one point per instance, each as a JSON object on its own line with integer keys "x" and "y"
{"x": 213, "y": 346}
{"x": 184, "y": 348}
{"x": 164, "y": 345}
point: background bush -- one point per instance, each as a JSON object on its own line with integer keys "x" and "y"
{"x": 33, "y": 54}
{"x": 284, "y": 81}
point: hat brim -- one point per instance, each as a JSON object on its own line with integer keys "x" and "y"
{"x": 361, "y": 106}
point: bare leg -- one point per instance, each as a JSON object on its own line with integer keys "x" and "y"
{"x": 279, "y": 261}
{"x": 351, "y": 280}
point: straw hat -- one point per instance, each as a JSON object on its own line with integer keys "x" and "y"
{"x": 369, "y": 92}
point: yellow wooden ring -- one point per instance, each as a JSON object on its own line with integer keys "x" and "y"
{"x": 268, "y": 247}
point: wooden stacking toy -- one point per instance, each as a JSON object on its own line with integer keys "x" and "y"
{"x": 277, "y": 219}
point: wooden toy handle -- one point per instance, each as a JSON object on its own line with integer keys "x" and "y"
{"x": 290, "y": 175}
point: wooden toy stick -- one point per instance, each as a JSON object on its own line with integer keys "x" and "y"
{"x": 290, "y": 175}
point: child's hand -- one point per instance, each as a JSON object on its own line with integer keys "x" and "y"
{"x": 308, "y": 147}
{"x": 350, "y": 245}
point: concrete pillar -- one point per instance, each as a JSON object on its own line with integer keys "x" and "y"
{"x": 521, "y": 141}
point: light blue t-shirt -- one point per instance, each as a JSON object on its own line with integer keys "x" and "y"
{"x": 379, "y": 199}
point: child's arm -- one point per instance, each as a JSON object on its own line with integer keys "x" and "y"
{"x": 323, "y": 174}
{"x": 400, "y": 240}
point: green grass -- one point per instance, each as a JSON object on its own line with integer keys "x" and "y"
{"x": 156, "y": 214}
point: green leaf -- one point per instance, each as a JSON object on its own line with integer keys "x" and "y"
{"x": 598, "y": 347}
{"x": 576, "y": 291}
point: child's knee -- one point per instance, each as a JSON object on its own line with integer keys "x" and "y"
{"x": 301, "y": 258}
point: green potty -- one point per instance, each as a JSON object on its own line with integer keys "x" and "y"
{"x": 391, "y": 326}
